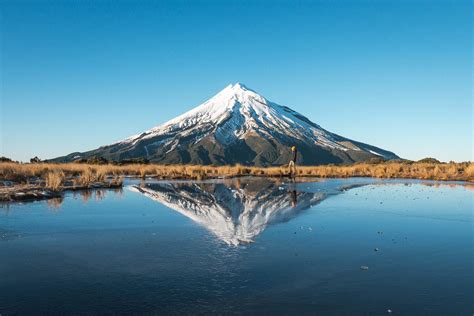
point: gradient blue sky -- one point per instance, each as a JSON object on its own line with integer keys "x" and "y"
{"x": 78, "y": 74}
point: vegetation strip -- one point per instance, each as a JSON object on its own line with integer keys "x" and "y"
{"x": 48, "y": 180}
{"x": 52, "y": 175}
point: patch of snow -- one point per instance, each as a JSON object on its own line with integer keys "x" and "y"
{"x": 375, "y": 153}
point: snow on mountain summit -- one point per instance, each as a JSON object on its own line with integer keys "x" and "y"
{"x": 241, "y": 110}
{"x": 215, "y": 110}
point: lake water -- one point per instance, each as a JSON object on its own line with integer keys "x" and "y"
{"x": 333, "y": 247}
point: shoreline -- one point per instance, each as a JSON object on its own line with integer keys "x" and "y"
{"x": 29, "y": 193}
{"x": 22, "y": 182}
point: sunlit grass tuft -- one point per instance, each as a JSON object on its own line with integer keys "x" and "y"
{"x": 54, "y": 180}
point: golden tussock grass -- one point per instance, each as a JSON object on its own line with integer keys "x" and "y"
{"x": 54, "y": 179}
{"x": 83, "y": 174}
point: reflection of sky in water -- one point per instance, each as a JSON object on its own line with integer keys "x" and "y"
{"x": 122, "y": 252}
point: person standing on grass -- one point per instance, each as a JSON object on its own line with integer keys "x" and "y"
{"x": 292, "y": 164}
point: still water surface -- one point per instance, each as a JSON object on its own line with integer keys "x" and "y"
{"x": 333, "y": 247}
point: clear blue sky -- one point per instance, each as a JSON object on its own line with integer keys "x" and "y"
{"x": 80, "y": 74}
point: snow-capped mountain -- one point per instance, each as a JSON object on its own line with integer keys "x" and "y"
{"x": 237, "y": 125}
{"x": 235, "y": 211}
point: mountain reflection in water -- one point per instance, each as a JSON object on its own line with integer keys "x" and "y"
{"x": 236, "y": 211}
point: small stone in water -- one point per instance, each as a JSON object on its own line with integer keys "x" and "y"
{"x": 376, "y": 249}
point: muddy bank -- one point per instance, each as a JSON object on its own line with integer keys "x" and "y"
{"x": 10, "y": 192}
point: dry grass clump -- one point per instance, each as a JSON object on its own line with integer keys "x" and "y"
{"x": 85, "y": 178}
{"x": 97, "y": 174}
{"x": 54, "y": 180}
{"x": 470, "y": 170}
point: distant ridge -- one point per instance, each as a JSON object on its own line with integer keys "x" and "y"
{"x": 237, "y": 125}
